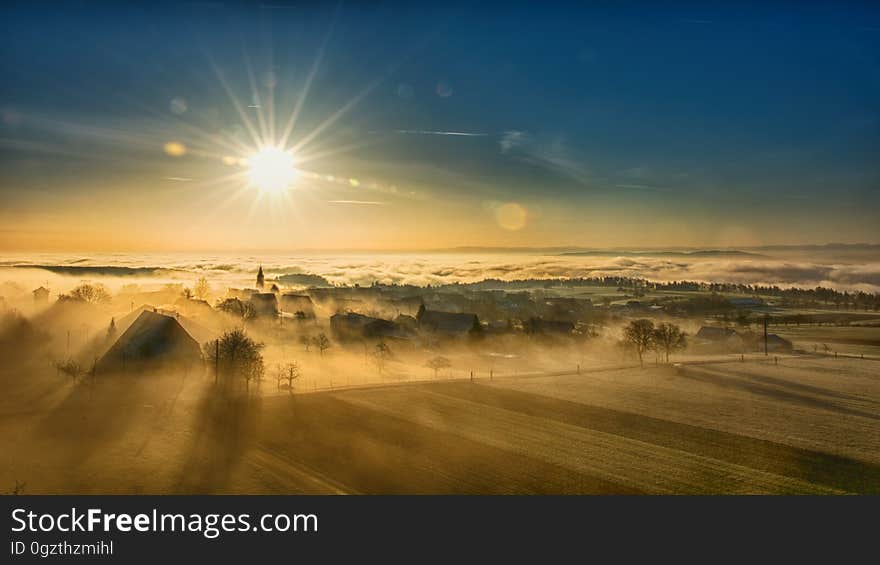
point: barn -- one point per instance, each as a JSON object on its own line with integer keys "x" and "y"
{"x": 447, "y": 323}
{"x": 152, "y": 341}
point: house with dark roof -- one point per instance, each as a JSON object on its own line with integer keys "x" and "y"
{"x": 719, "y": 338}
{"x": 293, "y": 303}
{"x": 447, "y": 323}
{"x": 778, "y": 344}
{"x": 351, "y": 325}
{"x": 264, "y": 303}
{"x": 541, "y": 326}
{"x": 152, "y": 341}
{"x": 41, "y": 295}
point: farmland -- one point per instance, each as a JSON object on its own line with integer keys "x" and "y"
{"x": 808, "y": 424}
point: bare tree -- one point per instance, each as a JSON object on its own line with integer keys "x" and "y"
{"x": 438, "y": 363}
{"x": 669, "y": 338}
{"x": 288, "y": 372}
{"x": 70, "y": 368}
{"x": 254, "y": 373}
{"x": 640, "y": 335}
{"x": 202, "y": 289}
{"x": 322, "y": 343}
{"x": 18, "y": 489}
{"x": 306, "y": 341}
{"x": 381, "y": 353}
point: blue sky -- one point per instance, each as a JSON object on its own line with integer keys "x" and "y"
{"x": 629, "y": 117}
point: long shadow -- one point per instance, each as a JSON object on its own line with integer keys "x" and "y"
{"x": 368, "y": 451}
{"x": 724, "y": 381}
{"x": 836, "y": 471}
{"x": 223, "y": 428}
{"x": 798, "y": 386}
{"x": 88, "y": 420}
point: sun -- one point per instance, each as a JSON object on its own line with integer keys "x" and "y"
{"x": 272, "y": 170}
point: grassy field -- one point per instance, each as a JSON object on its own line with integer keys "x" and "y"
{"x": 853, "y": 340}
{"x": 806, "y": 425}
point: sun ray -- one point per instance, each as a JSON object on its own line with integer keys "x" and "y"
{"x": 313, "y": 70}
{"x": 302, "y": 159}
{"x": 232, "y": 98}
{"x": 255, "y": 97}
{"x": 337, "y": 115}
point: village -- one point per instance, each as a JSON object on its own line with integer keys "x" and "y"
{"x": 176, "y": 325}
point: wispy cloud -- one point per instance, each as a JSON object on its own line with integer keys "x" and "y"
{"x": 177, "y": 179}
{"x": 512, "y": 139}
{"x": 552, "y": 154}
{"x": 433, "y": 132}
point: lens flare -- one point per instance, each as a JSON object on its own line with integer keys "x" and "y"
{"x": 511, "y": 216}
{"x": 175, "y": 149}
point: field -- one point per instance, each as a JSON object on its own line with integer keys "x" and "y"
{"x": 809, "y": 424}
{"x": 854, "y": 340}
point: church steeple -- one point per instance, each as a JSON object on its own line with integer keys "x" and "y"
{"x": 260, "y": 279}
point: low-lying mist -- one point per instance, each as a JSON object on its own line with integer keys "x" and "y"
{"x": 848, "y": 268}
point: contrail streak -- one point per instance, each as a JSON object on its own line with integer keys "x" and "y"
{"x": 429, "y": 132}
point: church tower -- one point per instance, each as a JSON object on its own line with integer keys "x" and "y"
{"x": 260, "y": 279}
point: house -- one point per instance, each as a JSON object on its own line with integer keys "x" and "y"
{"x": 240, "y": 293}
{"x": 264, "y": 303}
{"x": 352, "y": 325}
{"x": 293, "y": 303}
{"x": 719, "y": 338}
{"x": 349, "y": 325}
{"x": 540, "y": 326}
{"x": 194, "y": 307}
{"x": 386, "y": 329}
{"x": 152, "y": 341}
{"x": 41, "y": 295}
{"x": 192, "y": 326}
{"x": 778, "y": 344}
{"x": 447, "y": 323}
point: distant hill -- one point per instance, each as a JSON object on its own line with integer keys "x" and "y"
{"x": 695, "y": 253}
{"x": 100, "y": 270}
{"x": 304, "y": 279}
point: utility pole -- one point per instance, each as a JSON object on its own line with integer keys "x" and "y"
{"x": 216, "y": 360}
{"x": 765, "y": 335}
